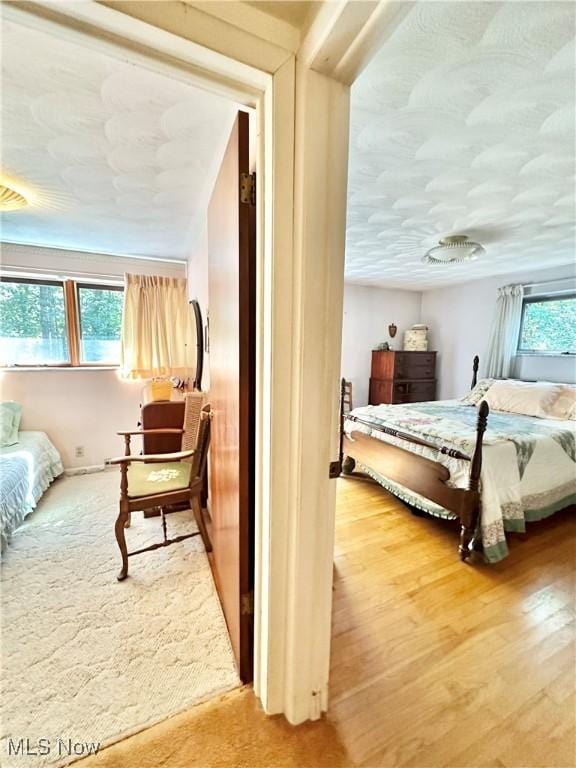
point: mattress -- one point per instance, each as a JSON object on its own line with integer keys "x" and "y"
{"x": 528, "y": 468}
{"x": 26, "y": 470}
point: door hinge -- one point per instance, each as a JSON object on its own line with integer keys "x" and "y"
{"x": 248, "y": 188}
{"x": 335, "y": 469}
{"x": 247, "y": 603}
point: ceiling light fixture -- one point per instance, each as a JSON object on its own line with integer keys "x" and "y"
{"x": 452, "y": 249}
{"x": 10, "y": 200}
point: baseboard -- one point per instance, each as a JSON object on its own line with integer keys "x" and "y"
{"x": 84, "y": 470}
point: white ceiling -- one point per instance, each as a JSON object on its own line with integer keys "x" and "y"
{"x": 116, "y": 158}
{"x": 464, "y": 123}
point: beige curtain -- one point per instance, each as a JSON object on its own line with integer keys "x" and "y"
{"x": 158, "y": 334}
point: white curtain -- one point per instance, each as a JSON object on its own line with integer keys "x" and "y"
{"x": 505, "y": 331}
{"x": 158, "y": 334}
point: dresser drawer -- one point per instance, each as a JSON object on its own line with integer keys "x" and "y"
{"x": 415, "y": 365}
{"x": 414, "y": 391}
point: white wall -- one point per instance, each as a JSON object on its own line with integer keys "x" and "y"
{"x": 77, "y": 407}
{"x": 460, "y": 320}
{"x": 367, "y": 314}
{"x": 78, "y": 264}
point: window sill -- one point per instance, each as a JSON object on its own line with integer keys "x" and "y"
{"x": 60, "y": 368}
{"x": 546, "y": 354}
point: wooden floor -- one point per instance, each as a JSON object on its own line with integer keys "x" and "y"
{"x": 437, "y": 663}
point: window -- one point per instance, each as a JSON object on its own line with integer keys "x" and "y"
{"x": 59, "y": 323}
{"x": 33, "y": 323}
{"x": 548, "y": 325}
{"x": 100, "y": 318}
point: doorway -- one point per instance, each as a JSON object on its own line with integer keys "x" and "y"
{"x": 147, "y": 576}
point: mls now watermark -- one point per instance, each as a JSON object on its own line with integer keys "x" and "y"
{"x": 59, "y": 747}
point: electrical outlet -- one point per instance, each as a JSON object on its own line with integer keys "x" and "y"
{"x": 79, "y": 451}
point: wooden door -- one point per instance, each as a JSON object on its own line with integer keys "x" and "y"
{"x": 232, "y": 293}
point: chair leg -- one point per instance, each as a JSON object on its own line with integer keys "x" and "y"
{"x": 128, "y": 522}
{"x": 123, "y": 516}
{"x": 204, "y": 495}
{"x": 197, "y": 510}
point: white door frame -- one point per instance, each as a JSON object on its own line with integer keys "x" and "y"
{"x": 302, "y": 161}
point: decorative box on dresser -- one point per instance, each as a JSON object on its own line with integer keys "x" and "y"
{"x": 402, "y": 377}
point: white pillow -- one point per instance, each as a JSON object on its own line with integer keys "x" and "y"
{"x": 10, "y": 413}
{"x": 564, "y": 407}
{"x": 528, "y": 398}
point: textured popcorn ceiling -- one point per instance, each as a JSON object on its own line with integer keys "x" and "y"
{"x": 464, "y": 123}
{"x": 117, "y": 158}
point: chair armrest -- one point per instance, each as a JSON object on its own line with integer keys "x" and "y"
{"x": 152, "y": 458}
{"x": 166, "y": 431}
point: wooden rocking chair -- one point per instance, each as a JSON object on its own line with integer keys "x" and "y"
{"x": 160, "y": 480}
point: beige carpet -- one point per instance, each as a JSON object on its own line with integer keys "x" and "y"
{"x": 231, "y": 732}
{"x": 87, "y": 658}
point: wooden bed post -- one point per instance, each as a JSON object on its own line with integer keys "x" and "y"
{"x": 475, "y": 364}
{"x": 471, "y": 512}
{"x": 336, "y": 466}
{"x": 342, "y": 391}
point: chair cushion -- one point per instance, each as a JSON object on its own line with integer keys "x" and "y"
{"x": 150, "y": 479}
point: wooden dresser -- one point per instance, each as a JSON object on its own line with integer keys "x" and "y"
{"x": 162, "y": 414}
{"x": 402, "y": 377}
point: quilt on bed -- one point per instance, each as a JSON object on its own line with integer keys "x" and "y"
{"x": 528, "y": 468}
{"x": 26, "y": 470}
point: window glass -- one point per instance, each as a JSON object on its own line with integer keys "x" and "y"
{"x": 32, "y": 323}
{"x": 549, "y": 325}
{"x": 100, "y": 319}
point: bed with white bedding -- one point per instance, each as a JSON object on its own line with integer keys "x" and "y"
{"x": 528, "y": 464}
{"x": 26, "y": 470}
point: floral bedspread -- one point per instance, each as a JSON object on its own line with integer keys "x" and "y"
{"x": 528, "y": 468}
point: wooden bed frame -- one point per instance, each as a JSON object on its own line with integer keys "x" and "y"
{"x": 418, "y": 474}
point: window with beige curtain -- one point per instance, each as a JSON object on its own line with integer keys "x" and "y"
{"x": 158, "y": 334}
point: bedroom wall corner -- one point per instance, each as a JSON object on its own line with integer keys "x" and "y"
{"x": 367, "y": 314}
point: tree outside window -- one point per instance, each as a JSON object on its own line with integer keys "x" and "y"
{"x": 548, "y": 325}
{"x": 62, "y": 323}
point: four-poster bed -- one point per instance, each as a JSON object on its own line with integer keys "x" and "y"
{"x": 449, "y": 459}
{"x": 419, "y": 474}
